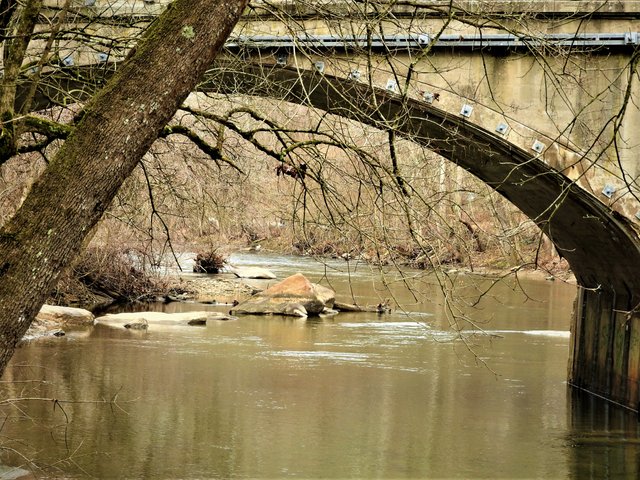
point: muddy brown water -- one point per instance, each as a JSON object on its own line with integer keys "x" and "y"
{"x": 347, "y": 396}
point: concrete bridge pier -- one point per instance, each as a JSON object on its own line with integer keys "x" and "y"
{"x": 605, "y": 347}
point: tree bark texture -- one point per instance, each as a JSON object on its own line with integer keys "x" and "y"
{"x": 120, "y": 124}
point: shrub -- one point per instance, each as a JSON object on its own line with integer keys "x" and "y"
{"x": 209, "y": 262}
{"x": 109, "y": 274}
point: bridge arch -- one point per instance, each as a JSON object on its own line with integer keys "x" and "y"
{"x": 600, "y": 245}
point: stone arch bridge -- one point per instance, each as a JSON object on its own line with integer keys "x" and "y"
{"x": 543, "y": 111}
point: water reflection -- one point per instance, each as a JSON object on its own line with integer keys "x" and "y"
{"x": 275, "y": 398}
{"x": 604, "y": 439}
{"x": 353, "y": 395}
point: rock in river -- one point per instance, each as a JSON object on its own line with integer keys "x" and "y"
{"x": 251, "y": 272}
{"x": 64, "y": 316}
{"x": 52, "y": 319}
{"x": 134, "y": 320}
{"x": 294, "y": 296}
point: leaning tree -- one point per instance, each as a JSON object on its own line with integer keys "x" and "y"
{"x": 117, "y": 127}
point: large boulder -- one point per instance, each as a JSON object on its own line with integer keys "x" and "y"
{"x": 64, "y": 316}
{"x": 251, "y": 272}
{"x": 51, "y": 320}
{"x": 140, "y": 320}
{"x": 295, "y": 296}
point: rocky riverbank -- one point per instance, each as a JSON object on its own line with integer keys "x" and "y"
{"x": 292, "y": 296}
{"x": 237, "y": 286}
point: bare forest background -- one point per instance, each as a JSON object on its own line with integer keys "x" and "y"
{"x": 178, "y": 196}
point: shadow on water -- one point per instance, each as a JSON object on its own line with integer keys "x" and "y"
{"x": 603, "y": 438}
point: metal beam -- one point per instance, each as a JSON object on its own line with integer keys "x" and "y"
{"x": 421, "y": 41}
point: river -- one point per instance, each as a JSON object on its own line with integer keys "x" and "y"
{"x": 346, "y": 396}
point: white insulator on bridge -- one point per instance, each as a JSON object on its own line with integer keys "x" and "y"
{"x": 537, "y": 146}
{"x": 354, "y": 75}
{"x": 608, "y": 190}
{"x": 502, "y": 128}
{"x": 428, "y": 97}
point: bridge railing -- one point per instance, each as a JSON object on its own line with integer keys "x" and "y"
{"x": 628, "y": 40}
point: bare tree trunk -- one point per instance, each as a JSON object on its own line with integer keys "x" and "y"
{"x": 14, "y": 52}
{"x": 119, "y": 126}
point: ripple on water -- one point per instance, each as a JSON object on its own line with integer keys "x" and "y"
{"x": 399, "y": 333}
{"x": 324, "y": 354}
{"x": 385, "y": 325}
{"x": 412, "y": 332}
{"x": 312, "y": 358}
{"x": 541, "y": 333}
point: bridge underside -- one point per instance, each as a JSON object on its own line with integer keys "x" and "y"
{"x": 600, "y": 245}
